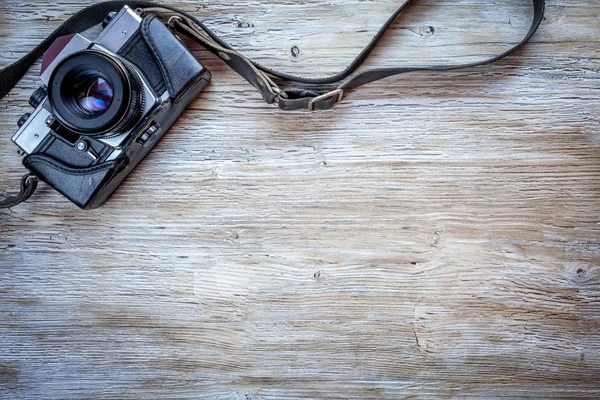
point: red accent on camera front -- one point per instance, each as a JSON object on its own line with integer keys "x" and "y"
{"x": 54, "y": 50}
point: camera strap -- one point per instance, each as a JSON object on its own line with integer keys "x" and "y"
{"x": 288, "y": 91}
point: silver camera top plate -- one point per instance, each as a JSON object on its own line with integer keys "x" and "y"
{"x": 120, "y": 29}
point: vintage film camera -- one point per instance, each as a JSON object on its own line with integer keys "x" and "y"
{"x": 105, "y": 103}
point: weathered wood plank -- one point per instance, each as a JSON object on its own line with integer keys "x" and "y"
{"x": 436, "y": 235}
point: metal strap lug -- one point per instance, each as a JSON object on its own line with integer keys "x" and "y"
{"x": 173, "y": 19}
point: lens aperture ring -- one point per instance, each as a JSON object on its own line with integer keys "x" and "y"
{"x": 136, "y": 103}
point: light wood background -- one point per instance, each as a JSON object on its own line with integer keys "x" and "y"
{"x": 436, "y": 235}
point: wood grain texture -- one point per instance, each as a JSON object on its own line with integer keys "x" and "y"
{"x": 436, "y": 235}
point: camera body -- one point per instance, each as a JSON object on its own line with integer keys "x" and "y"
{"x": 105, "y": 103}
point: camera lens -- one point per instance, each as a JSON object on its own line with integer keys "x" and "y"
{"x": 93, "y": 92}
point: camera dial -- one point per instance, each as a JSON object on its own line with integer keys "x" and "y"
{"x": 95, "y": 93}
{"x": 38, "y": 96}
{"x": 111, "y": 15}
{"x": 23, "y": 119}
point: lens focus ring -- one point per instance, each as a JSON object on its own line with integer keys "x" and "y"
{"x": 137, "y": 101}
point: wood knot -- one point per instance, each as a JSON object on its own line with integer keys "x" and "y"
{"x": 9, "y": 376}
{"x": 426, "y": 30}
{"x": 437, "y": 237}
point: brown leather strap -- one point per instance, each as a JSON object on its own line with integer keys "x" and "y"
{"x": 294, "y": 92}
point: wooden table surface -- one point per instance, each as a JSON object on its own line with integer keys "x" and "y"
{"x": 435, "y": 235}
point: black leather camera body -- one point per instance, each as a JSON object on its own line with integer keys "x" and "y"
{"x": 105, "y": 104}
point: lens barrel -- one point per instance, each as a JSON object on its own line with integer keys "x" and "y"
{"x": 94, "y": 93}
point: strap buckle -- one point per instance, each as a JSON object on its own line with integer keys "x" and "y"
{"x": 338, "y": 93}
{"x": 269, "y": 83}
